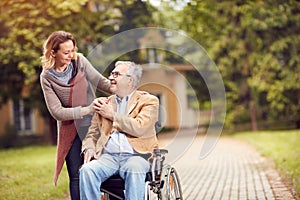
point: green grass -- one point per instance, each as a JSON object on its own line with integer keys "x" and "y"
{"x": 282, "y": 147}
{"x": 27, "y": 173}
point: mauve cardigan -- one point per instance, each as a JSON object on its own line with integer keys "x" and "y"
{"x": 64, "y": 102}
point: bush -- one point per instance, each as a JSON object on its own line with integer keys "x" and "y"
{"x": 9, "y": 138}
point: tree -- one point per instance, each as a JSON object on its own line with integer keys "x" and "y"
{"x": 277, "y": 67}
{"x": 24, "y": 27}
{"x": 255, "y": 45}
{"x": 135, "y": 14}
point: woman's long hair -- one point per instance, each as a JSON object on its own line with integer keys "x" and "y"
{"x": 52, "y": 43}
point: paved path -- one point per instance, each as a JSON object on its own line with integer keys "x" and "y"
{"x": 233, "y": 170}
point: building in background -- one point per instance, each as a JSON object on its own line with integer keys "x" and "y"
{"x": 25, "y": 120}
{"x": 169, "y": 85}
{"x": 167, "y": 81}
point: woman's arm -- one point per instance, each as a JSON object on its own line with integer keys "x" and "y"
{"x": 55, "y": 107}
{"x": 93, "y": 76}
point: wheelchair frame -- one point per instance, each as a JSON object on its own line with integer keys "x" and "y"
{"x": 162, "y": 182}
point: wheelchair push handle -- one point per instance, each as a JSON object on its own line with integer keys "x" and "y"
{"x": 157, "y": 163}
{"x": 160, "y": 151}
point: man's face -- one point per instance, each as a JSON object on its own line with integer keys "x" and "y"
{"x": 120, "y": 81}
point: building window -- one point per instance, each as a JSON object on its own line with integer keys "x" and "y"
{"x": 151, "y": 56}
{"x": 22, "y": 117}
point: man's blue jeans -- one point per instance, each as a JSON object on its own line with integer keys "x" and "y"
{"x": 132, "y": 169}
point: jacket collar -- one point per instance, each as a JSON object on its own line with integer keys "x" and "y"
{"x": 131, "y": 104}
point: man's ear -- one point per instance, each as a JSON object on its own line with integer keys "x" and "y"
{"x": 131, "y": 79}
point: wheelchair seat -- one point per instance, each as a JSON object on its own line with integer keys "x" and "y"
{"x": 162, "y": 179}
{"x": 114, "y": 181}
{"x": 114, "y": 186}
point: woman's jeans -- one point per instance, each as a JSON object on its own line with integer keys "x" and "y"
{"x": 132, "y": 169}
{"x": 74, "y": 161}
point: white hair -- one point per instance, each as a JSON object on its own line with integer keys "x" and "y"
{"x": 134, "y": 70}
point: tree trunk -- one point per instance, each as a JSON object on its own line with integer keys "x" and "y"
{"x": 298, "y": 119}
{"x": 252, "y": 111}
{"x": 252, "y": 108}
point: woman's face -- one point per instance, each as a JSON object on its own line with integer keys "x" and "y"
{"x": 64, "y": 54}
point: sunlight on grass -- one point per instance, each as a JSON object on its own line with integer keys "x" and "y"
{"x": 280, "y": 146}
{"x": 27, "y": 173}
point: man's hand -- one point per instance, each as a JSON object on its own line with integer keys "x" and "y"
{"x": 98, "y": 101}
{"x": 103, "y": 108}
{"x": 89, "y": 155}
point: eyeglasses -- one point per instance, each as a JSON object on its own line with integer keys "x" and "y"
{"x": 116, "y": 74}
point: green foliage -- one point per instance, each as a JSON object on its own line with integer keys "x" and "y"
{"x": 135, "y": 14}
{"x": 28, "y": 174}
{"x": 255, "y": 44}
{"x": 25, "y": 25}
{"x": 201, "y": 90}
{"x": 282, "y": 147}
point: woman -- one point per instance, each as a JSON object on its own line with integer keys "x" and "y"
{"x": 68, "y": 81}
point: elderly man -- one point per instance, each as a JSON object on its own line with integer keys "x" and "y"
{"x": 122, "y": 128}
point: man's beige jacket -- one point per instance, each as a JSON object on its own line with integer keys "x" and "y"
{"x": 138, "y": 124}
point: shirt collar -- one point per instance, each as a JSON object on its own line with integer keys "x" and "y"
{"x": 126, "y": 98}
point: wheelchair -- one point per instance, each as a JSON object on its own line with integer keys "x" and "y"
{"x": 162, "y": 182}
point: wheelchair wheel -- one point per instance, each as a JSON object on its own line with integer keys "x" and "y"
{"x": 172, "y": 188}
